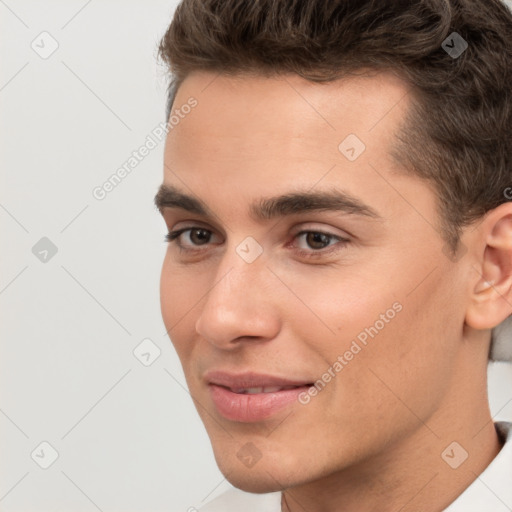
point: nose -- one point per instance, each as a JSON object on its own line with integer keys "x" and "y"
{"x": 241, "y": 304}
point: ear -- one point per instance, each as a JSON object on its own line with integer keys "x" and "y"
{"x": 491, "y": 298}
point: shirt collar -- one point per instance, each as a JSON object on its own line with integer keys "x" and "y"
{"x": 492, "y": 489}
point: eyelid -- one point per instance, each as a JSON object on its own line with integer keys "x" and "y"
{"x": 304, "y": 226}
{"x": 314, "y": 226}
{"x": 299, "y": 229}
{"x": 176, "y": 233}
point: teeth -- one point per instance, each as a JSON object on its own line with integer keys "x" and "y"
{"x": 253, "y": 391}
{"x": 271, "y": 389}
{"x": 268, "y": 389}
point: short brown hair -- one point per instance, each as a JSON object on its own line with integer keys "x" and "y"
{"x": 458, "y": 131}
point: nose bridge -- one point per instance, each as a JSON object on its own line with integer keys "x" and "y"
{"x": 237, "y": 303}
{"x": 237, "y": 282}
{"x": 242, "y": 269}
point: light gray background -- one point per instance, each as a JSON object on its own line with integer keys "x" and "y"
{"x": 127, "y": 435}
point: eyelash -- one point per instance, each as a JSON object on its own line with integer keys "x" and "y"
{"x": 172, "y": 236}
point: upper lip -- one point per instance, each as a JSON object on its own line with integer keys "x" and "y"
{"x": 250, "y": 380}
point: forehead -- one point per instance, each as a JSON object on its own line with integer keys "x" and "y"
{"x": 255, "y": 135}
{"x": 331, "y": 104}
{"x": 258, "y": 117}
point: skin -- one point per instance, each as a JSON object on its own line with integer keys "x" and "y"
{"x": 372, "y": 439}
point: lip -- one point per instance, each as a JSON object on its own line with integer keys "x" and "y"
{"x": 248, "y": 408}
{"x": 250, "y": 380}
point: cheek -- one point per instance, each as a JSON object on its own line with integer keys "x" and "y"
{"x": 339, "y": 305}
{"x": 177, "y": 300}
{"x": 168, "y": 294}
{"x": 391, "y": 339}
{"x": 403, "y": 371}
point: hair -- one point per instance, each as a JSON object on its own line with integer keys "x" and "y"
{"x": 457, "y": 133}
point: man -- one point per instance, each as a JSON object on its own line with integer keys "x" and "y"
{"x": 340, "y": 247}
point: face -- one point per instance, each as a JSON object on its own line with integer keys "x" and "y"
{"x": 347, "y": 301}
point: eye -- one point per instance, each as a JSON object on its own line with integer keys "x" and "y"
{"x": 316, "y": 240}
{"x": 199, "y": 234}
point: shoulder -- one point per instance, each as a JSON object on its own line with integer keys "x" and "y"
{"x": 236, "y": 500}
{"x": 504, "y": 429}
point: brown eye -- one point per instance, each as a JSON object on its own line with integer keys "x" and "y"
{"x": 317, "y": 240}
{"x": 318, "y": 244}
{"x": 198, "y": 236}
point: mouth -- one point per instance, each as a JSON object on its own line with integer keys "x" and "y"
{"x": 258, "y": 390}
{"x": 253, "y": 382}
{"x": 251, "y": 397}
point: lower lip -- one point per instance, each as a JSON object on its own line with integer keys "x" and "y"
{"x": 255, "y": 407}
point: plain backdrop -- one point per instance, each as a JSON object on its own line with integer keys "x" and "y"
{"x": 88, "y": 422}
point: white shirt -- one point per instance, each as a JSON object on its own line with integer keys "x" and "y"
{"x": 490, "y": 492}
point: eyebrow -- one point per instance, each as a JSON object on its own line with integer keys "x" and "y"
{"x": 292, "y": 203}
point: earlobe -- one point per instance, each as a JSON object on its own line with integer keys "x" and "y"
{"x": 491, "y": 299}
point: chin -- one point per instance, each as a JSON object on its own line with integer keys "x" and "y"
{"x": 266, "y": 475}
{"x": 248, "y": 481}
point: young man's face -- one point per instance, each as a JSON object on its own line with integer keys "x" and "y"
{"x": 372, "y": 288}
